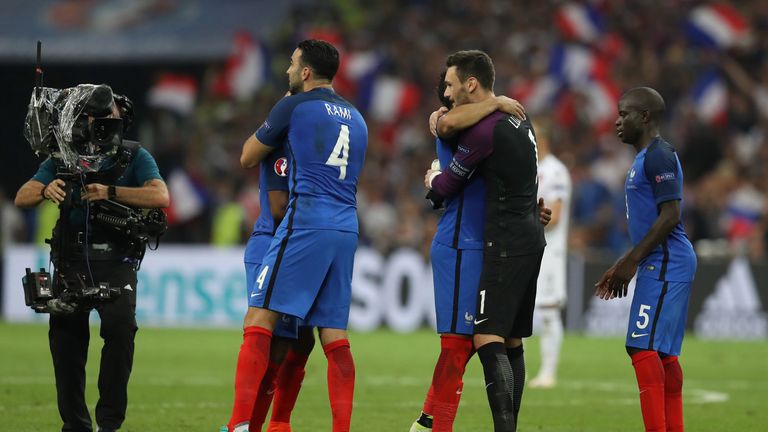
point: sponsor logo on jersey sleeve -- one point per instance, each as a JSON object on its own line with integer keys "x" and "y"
{"x": 665, "y": 177}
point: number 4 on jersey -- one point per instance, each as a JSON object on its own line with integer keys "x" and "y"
{"x": 340, "y": 152}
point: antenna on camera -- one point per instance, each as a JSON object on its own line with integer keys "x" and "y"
{"x": 38, "y": 72}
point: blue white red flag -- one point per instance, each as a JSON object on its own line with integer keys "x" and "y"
{"x": 538, "y": 94}
{"x": 718, "y": 25}
{"x": 173, "y": 92}
{"x": 578, "y": 21}
{"x": 357, "y": 73}
{"x": 602, "y": 97}
{"x": 389, "y": 98}
{"x": 710, "y": 98}
{"x": 247, "y": 67}
{"x": 576, "y": 64}
{"x": 188, "y": 198}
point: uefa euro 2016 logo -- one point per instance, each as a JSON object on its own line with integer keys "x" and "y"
{"x": 281, "y": 167}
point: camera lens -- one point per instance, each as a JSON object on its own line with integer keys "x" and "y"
{"x": 104, "y": 130}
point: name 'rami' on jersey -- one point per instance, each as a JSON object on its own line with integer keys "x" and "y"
{"x": 338, "y": 111}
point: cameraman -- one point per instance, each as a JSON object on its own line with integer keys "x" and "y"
{"x": 81, "y": 247}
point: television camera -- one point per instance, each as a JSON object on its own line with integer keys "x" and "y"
{"x": 80, "y": 131}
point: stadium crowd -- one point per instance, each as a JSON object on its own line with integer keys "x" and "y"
{"x": 717, "y": 95}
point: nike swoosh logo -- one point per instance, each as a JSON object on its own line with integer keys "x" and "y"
{"x": 128, "y": 287}
{"x": 254, "y": 294}
{"x": 482, "y": 320}
{"x": 636, "y": 335}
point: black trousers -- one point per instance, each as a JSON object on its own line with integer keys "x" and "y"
{"x": 68, "y": 337}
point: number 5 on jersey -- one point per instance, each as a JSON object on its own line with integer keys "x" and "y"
{"x": 340, "y": 152}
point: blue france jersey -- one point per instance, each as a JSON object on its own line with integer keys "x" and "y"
{"x": 656, "y": 177}
{"x": 326, "y": 142}
{"x": 273, "y": 172}
{"x": 461, "y": 226}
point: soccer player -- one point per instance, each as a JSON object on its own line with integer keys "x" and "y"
{"x": 664, "y": 256}
{"x": 288, "y": 356}
{"x": 555, "y": 188}
{"x": 456, "y": 256}
{"x": 307, "y": 270}
{"x": 513, "y": 236}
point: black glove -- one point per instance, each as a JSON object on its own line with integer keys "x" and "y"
{"x": 58, "y": 306}
{"x": 436, "y": 200}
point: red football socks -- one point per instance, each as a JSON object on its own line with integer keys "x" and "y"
{"x": 251, "y": 365}
{"x": 429, "y": 401}
{"x": 650, "y": 380}
{"x": 341, "y": 383}
{"x": 289, "y": 381}
{"x": 263, "y": 398}
{"x": 447, "y": 384}
{"x": 673, "y": 393}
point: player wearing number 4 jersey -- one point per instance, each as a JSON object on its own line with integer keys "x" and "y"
{"x": 662, "y": 256}
{"x": 307, "y": 271}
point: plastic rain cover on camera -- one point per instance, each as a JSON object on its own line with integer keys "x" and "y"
{"x": 49, "y": 124}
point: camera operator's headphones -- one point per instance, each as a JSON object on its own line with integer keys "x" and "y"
{"x": 125, "y": 106}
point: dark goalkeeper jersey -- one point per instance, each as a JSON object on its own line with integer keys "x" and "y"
{"x": 503, "y": 150}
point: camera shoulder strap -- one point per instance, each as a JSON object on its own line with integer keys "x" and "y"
{"x": 125, "y": 155}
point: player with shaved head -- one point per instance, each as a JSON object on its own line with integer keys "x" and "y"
{"x": 662, "y": 257}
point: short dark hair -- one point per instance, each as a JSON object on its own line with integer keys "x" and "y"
{"x": 474, "y": 63}
{"x": 321, "y": 56}
{"x": 446, "y": 102}
{"x": 647, "y": 99}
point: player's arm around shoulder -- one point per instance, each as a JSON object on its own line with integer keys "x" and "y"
{"x": 467, "y": 115}
{"x": 271, "y": 134}
{"x": 254, "y": 151}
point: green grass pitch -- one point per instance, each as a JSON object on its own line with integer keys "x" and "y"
{"x": 183, "y": 381}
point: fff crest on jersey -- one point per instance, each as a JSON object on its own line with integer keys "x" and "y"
{"x": 281, "y": 167}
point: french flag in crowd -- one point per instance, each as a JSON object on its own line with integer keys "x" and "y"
{"x": 579, "y": 21}
{"x": 188, "y": 198}
{"x": 358, "y": 70}
{"x": 576, "y": 64}
{"x": 173, "y": 92}
{"x": 602, "y": 99}
{"x": 710, "y": 98}
{"x": 538, "y": 94}
{"x": 389, "y": 98}
{"x": 718, "y": 25}
{"x": 246, "y": 70}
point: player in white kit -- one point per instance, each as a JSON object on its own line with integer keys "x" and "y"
{"x": 555, "y": 188}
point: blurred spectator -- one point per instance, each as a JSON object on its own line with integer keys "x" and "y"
{"x": 716, "y": 90}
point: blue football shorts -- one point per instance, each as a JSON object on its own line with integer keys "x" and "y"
{"x": 308, "y": 274}
{"x": 658, "y": 314}
{"x": 456, "y": 276}
{"x": 258, "y": 244}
